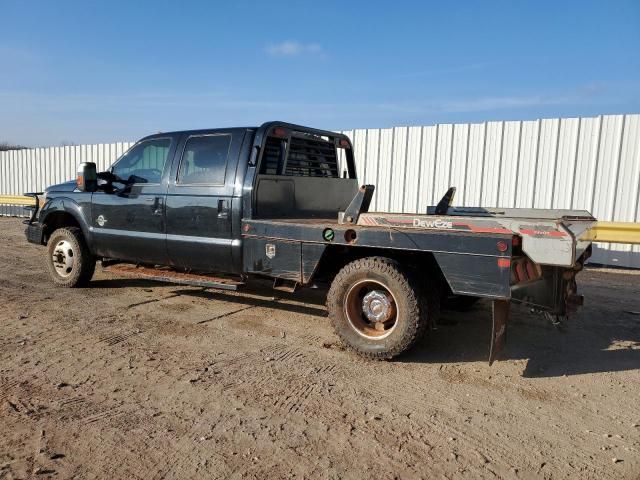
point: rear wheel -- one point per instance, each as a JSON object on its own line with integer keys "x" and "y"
{"x": 68, "y": 259}
{"x": 377, "y": 309}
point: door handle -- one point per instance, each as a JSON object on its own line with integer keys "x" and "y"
{"x": 156, "y": 204}
{"x": 223, "y": 209}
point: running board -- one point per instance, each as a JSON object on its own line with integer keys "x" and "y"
{"x": 164, "y": 274}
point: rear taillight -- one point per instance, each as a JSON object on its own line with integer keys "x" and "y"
{"x": 504, "y": 262}
{"x": 280, "y": 132}
{"x": 524, "y": 270}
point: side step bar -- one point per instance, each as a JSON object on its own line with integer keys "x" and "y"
{"x": 165, "y": 274}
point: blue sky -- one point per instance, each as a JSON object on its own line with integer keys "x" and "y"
{"x": 85, "y": 71}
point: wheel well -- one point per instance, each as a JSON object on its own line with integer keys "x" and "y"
{"x": 336, "y": 256}
{"x": 57, "y": 220}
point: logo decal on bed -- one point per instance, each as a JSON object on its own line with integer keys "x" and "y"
{"x": 270, "y": 250}
{"x": 418, "y": 222}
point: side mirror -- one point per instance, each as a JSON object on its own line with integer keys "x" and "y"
{"x": 87, "y": 179}
{"x": 105, "y": 181}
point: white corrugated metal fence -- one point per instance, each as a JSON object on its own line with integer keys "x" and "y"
{"x": 582, "y": 163}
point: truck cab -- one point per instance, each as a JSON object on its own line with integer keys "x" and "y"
{"x": 174, "y": 199}
{"x": 178, "y": 198}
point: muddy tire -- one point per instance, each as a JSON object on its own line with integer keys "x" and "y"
{"x": 377, "y": 308}
{"x": 68, "y": 258}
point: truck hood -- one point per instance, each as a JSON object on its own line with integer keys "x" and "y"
{"x": 69, "y": 186}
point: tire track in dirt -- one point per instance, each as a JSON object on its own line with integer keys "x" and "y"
{"x": 25, "y": 408}
{"x": 7, "y": 386}
{"x": 117, "y": 338}
{"x": 301, "y": 390}
{"x": 294, "y": 399}
{"x": 105, "y": 414}
{"x": 281, "y": 353}
{"x": 481, "y": 443}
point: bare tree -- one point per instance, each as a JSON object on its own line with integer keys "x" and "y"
{"x": 5, "y": 146}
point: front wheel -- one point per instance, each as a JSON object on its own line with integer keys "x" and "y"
{"x": 68, "y": 259}
{"x": 377, "y": 309}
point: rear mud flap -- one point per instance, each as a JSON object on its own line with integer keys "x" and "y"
{"x": 499, "y": 329}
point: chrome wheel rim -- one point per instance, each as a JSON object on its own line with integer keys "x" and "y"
{"x": 371, "y": 309}
{"x": 63, "y": 258}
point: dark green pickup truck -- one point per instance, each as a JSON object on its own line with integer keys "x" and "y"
{"x": 214, "y": 207}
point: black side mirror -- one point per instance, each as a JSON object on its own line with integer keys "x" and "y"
{"x": 87, "y": 179}
{"x": 105, "y": 181}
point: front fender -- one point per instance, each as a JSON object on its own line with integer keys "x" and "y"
{"x": 79, "y": 211}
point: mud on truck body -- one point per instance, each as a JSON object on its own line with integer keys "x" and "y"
{"x": 215, "y": 207}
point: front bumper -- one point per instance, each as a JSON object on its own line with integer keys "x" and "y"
{"x": 33, "y": 232}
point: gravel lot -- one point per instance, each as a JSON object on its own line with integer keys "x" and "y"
{"x": 136, "y": 379}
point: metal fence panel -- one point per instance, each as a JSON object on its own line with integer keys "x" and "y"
{"x": 590, "y": 163}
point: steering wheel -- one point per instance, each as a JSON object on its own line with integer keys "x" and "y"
{"x": 147, "y": 175}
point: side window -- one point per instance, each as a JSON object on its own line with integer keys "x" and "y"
{"x": 273, "y": 156}
{"x": 204, "y": 160}
{"x": 144, "y": 162}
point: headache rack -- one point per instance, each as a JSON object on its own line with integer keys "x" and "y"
{"x": 301, "y": 155}
{"x": 311, "y": 156}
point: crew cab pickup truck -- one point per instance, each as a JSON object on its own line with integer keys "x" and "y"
{"x": 215, "y": 207}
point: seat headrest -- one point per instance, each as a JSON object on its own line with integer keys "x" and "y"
{"x": 207, "y": 157}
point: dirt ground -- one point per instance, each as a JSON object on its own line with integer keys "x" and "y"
{"x": 135, "y": 379}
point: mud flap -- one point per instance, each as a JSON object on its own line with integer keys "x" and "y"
{"x": 499, "y": 329}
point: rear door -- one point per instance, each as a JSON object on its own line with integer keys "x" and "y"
{"x": 128, "y": 222}
{"x": 200, "y": 200}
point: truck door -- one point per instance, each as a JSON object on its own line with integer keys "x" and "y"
{"x": 128, "y": 222}
{"x": 200, "y": 201}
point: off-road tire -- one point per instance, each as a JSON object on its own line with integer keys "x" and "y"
{"x": 84, "y": 263}
{"x": 414, "y": 307}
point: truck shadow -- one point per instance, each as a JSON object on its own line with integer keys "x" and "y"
{"x": 599, "y": 339}
{"x": 594, "y": 341}
{"x": 265, "y": 298}
{"x": 258, "y": 294}
{"x": 126, "y": 283}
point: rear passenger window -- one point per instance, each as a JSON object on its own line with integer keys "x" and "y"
{"x": 204, "y": 160}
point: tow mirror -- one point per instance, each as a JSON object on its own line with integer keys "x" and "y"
{"x": 105, "y": 181}
{"x": 87, "y": 179}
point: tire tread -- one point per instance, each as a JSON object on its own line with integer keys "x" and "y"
{"x": 421, "y": 303}
{"x": 82, "y": 275}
